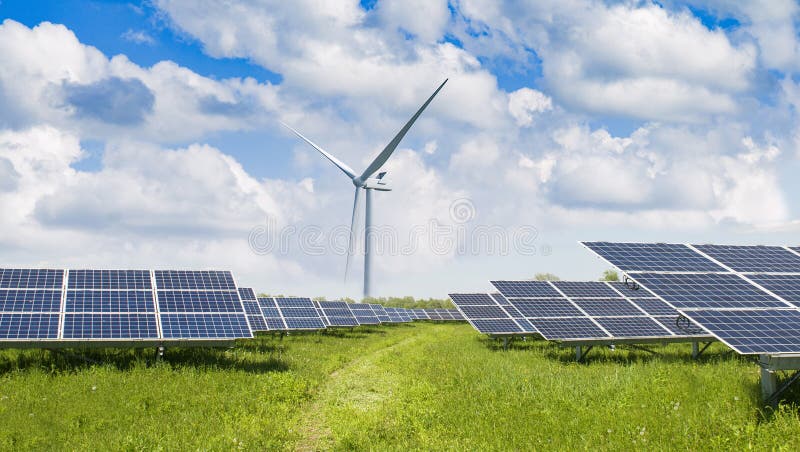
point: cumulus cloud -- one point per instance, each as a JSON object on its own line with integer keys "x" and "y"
{"x": 524, "y": 103}
{"x": 627, "y": 59}
{"x": 49, "y": 76}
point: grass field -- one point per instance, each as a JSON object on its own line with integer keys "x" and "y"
{"x": 420, "y": 386}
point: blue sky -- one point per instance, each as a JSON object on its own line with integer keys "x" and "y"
{"x": 146, "y": 133}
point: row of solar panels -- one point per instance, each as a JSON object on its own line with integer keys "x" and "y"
{"x": 287, "y": 314}
{"x": 746, "y": 296}
{"x": 574, "y": 311}
{"x": 154, "y": 306}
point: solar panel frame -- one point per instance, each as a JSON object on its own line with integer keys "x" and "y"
{"x": 751, "y": 331}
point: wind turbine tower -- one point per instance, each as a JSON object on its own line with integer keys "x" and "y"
{"x": 366, "y": 182}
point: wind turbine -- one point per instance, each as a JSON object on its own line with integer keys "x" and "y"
{"x": 366, "y": 182}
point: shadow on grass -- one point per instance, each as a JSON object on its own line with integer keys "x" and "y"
{"x": 626, "y": 354}
{"x": 76, "y": 359}
{"x": 788, "y": 403}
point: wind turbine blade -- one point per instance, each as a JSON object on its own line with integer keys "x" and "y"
{"x": 353, "y": 223}
{"x": 339, "y": 164}
{"x": 387, "y": 151}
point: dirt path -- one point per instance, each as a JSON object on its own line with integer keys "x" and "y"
{"x": 360, "y": 384}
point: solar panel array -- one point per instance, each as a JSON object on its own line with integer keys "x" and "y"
{"x": 746, "y": 296}
{"x": 119, "y": 305}
{"x": 336, "y": 314}
{"x": 572, "y": 311}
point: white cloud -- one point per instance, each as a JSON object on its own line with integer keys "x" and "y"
{"x": 138, "y": 37}
{"x": 525, "y": 102}
{"x": 49, "y": 76}
{"x": 629, "y": 59}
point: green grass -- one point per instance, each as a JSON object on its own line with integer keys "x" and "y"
{"x": 421, "y": 386}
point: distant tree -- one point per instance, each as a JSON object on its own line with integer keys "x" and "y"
{"x": 546, "y": 277}
{"x": 610, "y": 275}
{"x": 320, "y": 299}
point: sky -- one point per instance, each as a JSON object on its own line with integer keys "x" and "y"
{"x": 147, "y": 135}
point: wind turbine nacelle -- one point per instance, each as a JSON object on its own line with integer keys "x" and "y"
{"x": 378, "y": 183}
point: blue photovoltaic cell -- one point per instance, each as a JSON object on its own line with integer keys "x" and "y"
{"x": 110, "y": 301}
{"x": 394, "y": 317}
{"x": 110, "y": 279}
{"x": 758, "y": 259}
{"x": 257, "y": 323}
{"x": 203, "y": 301}
{"x": 30, "y": 300}
{"x": 631, "y": 290}
{"x": 784, "y": 286}
{"x": 110, "y": 326}
{"x": 546, "y": 308}
{"x": 483, "y": 312}
{"x": 707, "y": 291}
{"x": 247, "y": 294}
{"x": 304, "y": 323}
{"x": 433, "y": 314}
{"x": 342, "y": 321}
{"x": 654, "y": 257}
{"x": 526, "y": 289}
{"x": 685, "y": 328}
{"x": 251, "y": 308}
{"x": 569, "y": 328}
{"x": 379, "y": 312}
{"x": 205, "y": 326}
{"x": 461, "y": 299}
{"x": 275, "y": 324}
{"x": 28, "y": 326}
{"x": 194, "y": 280}
{"x": 501, "y": 300}
{"x": 270, "y": 312}
{"x": 585, "y": 289}
{"x": 299, "y": 312}
{"x": 16, "y": 278}
{"x": 632, "y": 327}
{"x": 364, "y": 314}
{"x": 496, "y": 326}
{"x": 654, "y": 306}
{"x": 294, "y": 302}
{"x": 609, "y": 308}
{"x": 768, "y": 331}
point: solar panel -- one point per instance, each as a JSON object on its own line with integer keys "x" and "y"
{"x": 97, "y": 301}
{"x": 546, "y": 308}
{"x": 299, "y": 313}
{"x": 15, "y": 278}
{"x": 29, "y": 326}
{"x": 205, "y": 326}
{"x": 380, "y": 312}
{"x": 632, "y": 327}
{"x": 630, "y": 290}
{"x": 336, "y": 313}
{"x": 199, "y": 301}
{"x": 526, "y": 289}
{"x": 110, "y": 279}
{"x": 110, "y": 326}
{"x": 257, "y": 323}
{"x": 585, "y": 289}
{"x": 247, "y": 294}
{"x": 653, "y": 257}
{"x": 486, "y": 315}
{"x": 194, "y": 280}
{"x": 364, "y": 314}
{"x": 752, "y": 331}
{"x": 784, "y": 286}
{"x": 580, "y": 311}
{"x": 654, "y": 306}
{"x": 758, "y": 259}
{"x": 568, "y": 328}
{"x": 687, "y": 290}
{"x": 271, "y": 314}
{"x": 394, "y": 316}
{"x": 30, "y": 300}
{"x": 609, "y": 307}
